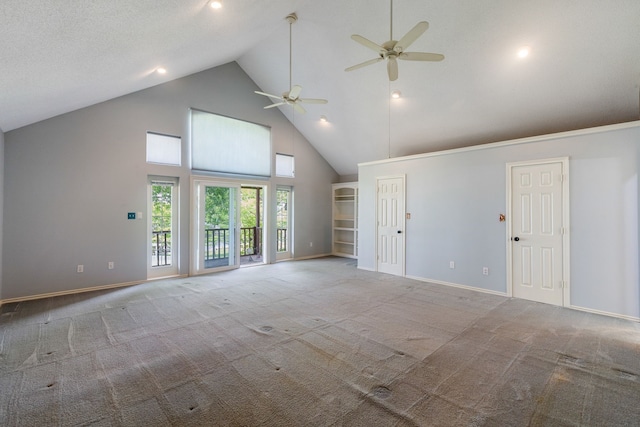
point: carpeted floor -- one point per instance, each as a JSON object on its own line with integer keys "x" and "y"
{"x": 315, "y": 343}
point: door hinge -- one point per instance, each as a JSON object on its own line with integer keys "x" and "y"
{"x": 563, "y": 231}
{"x": 563, "y": 284}
{"x": 562, "y": 177}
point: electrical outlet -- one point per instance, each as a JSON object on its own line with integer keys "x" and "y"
{"x": 452, "y": 264}
{"x": 485, "y": 271}
{"x": 111, "y": 265}
{"x": 80, "y": 268}
{"x": 310, "y": 244}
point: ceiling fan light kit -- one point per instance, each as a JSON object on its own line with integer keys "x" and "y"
{"x": 292, "y": 97}
{"x": 393, "y": 50}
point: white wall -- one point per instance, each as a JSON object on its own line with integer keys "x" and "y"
{"x": 71, "y": 180}
{"x": 455, "y": 199}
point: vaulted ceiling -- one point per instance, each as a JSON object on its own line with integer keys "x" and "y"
{"x": 583, "y": 68}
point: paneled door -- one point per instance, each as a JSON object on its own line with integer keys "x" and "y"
{"x": 390, "y": 209}
{"x": 537, "y": 230}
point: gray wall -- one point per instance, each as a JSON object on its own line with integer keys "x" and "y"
{"x": 1, "y": 201}
{"x": 455, "y": 199}
{"x": 70, "y": 181}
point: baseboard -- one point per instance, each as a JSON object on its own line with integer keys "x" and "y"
{"x": 605, "y": 313}
{"x": 456, "y": 285}
{"x": 83, "y": 290}
{"x": 311, "y": 257}
{"x": 366, "y": 268}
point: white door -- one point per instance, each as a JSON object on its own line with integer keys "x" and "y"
{"x": 390, "y": 218}
{"x": 284, "y": 207}
{"x": 537, "y": 232}
{"x": 216, "y": 226}
{"x": 163, "y": 243}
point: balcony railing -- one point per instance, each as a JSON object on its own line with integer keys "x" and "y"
{"x": 161, "y": 248}
{"x": 217, "y": 242}
{"x": 281, "y": 240}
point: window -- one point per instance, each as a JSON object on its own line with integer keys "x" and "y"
{"x": 164, "y": 149}
{"x": 226, "y": 145}
{"x": 285, "y": 165}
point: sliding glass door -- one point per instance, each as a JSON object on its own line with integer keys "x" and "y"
{"x": 216, "y": 226}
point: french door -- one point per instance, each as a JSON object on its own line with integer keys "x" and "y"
{"x": 216, "y": 226}
{"x": 162, "y": 237}
{"x": 284, "y": 217}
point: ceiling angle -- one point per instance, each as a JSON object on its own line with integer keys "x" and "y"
{"x": 393, "y": 50}
{"x": 292, "y": 97}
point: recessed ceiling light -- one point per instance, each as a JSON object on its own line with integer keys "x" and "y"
{"x": 523, "y": 52}
{"x": 323, "y": 119}
{"x": 216, "y": 4}
{"x": 396, "y": 94}
{"x": 161, "y": 70}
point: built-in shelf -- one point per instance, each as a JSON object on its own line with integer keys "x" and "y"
{"x": 345, "y": 219}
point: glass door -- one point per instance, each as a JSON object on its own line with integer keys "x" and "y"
{"x": 163, "y": 241}
{"x": 217, "y": 222}
{"x": 283, "y": 223}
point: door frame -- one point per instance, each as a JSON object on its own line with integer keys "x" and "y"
{"x": 566, "y": 260}
{"x": 403, "y": 177}
{"x": 288, "y": 255}
{"x": 195, "y": 181}
{"x": 174, "y": 268}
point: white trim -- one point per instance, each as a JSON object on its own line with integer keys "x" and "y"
{"x": 90, "y": 289}
{"x": 566, "y": 256}
{"x": 559, "y": 135}
{"x": 367, "y": 269}
{"x": 605, "y": 313}
{"x": 456, "y": 285}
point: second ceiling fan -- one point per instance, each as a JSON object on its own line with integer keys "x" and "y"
{"x": 393, "y": 50}
{"x": 292, "y": 96}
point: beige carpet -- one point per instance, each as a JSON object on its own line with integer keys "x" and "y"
{"x": 312, "y": 343}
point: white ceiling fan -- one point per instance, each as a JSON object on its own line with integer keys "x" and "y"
{"x": 393, "y": 50}
{"x": 292, "y": 96}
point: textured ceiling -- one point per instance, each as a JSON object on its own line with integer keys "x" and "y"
{"x": 583, "y": 70}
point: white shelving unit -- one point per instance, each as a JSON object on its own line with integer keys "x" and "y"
{"x": 345, "y": 219}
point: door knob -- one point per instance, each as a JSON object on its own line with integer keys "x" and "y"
{"x": 399, "y": 231}
{"x": 517, "y": 239}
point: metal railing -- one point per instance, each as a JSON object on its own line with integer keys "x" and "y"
{"x": 161, "y": 248}
{"x": 217, "y": 242}
{"x": 281, "y": 240}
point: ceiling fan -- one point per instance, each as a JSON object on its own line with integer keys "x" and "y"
{"x": 393, "y": 50}
{"x": 292, "y": 97}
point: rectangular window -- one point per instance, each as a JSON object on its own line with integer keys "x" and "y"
{"x": 226, "y": 145}
{"x": 164, "y": 149}
{"x": 285, "y": 165}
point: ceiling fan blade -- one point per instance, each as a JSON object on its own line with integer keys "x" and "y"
{"x": 274, "y": 105}
{"x": 368, "y": 43}
{"x": 364, "y": 64}
{"x": 268, "y": 94}
{"x": 420, "y": 56}
{"x": 312, "y": 101}
{"x": 411, "y": 36}
{"x": 392, "y": 68}
{"x": 299, "y": 108}
{"x": 294, "y": 92}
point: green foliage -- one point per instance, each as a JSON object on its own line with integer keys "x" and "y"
{"x": 161, "y": 211}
